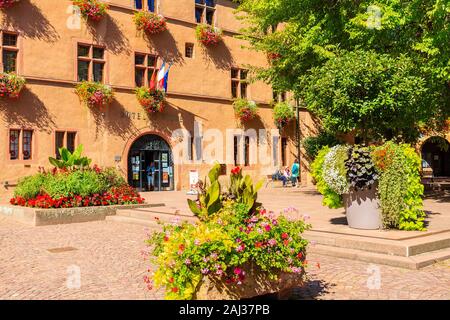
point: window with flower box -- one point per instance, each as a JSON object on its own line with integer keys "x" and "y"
{"x": 148, "y": 5}
{"x": 10, "y": 52}
{"x": 91, "y": 63}
{"x": 145, "y": 65}
{"x": 239, "y": 83}
{"x": 20, "y": 144}
{"x": 64, "y": 139}
{"x": 205, "y": 11}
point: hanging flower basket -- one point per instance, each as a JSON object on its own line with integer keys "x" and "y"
{"x": 283, "y": 113}
{"x": 208, "y": 35}
{"x": 273, "y": 56}
{"x": 11, "y": 85}
{"x": 7, "y": 3}
{"x": 245, "y": 110}
{"x": 94, "y": 10}
{"x": 149, "y": 22}
{"x": 94, "y": 94}
{"x": 151, "y": 99}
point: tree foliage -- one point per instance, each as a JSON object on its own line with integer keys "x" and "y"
{"x": 379, "y": 69}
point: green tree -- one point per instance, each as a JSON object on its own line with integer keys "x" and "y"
{"x": 378, "y": 69}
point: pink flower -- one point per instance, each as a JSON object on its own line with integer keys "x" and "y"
{"x": 268, "y": 228}
{"x": 237, "y": 271}
{"x": 240, "y": 248}
{"x": 272, "y": 242}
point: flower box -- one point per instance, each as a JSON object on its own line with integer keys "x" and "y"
{"x": 283, "y": 113}
{"x": 11, "y": 85}
{"x": 94, "y": 94}
{"x": 149, "y": 22}
{"x": 152, "y": 100}
{"x": 245, "y": 110}
{"x": 93, "y": 10}
{"x": 7, "y": 3}
{"x": 256, "y": 284}
{"x": 208, "y": 35}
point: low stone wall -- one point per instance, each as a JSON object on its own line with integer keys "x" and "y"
{"x": 43, "y": 217}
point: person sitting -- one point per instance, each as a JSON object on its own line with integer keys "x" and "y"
{"x": 286, "y": 176}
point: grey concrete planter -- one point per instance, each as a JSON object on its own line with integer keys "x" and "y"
{"x": 363, "y": 209}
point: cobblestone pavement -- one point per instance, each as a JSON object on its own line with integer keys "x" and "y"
{"x": 111, "y": 265}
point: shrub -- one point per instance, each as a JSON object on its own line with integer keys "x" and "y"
{"x": 283, "y": 113}
{"x": 313, "y": 144}
{"x": 245, "y": 110}
{"x": 92, "y": 9}
{"x": 330, "y": 198}
{"x": 334, "y": 170}
{"x": 149, "y": 22}
{"x": 7, "y": 3}
{"x": 94, "y": 94}
{"x": 361, "y": 171}
{"x": 208, "y": 35}
{"x": 111, "y": 177}
{"x": 11, "y": 85}
{"x": 30, "y": 187}
{"x": 69, "y": 159}
{"x": 223, "y": 245}
{"x": 400, "y": 189}
{"x": 151, "y": 99}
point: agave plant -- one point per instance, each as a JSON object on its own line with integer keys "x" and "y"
{"x": 69, "y": 159}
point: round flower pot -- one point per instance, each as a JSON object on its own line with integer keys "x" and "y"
{"x": 257, "y": 283}
{"x": 362, "y": 209}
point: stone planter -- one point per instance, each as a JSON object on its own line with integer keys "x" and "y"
{"x": 257, "y": 283}
{"x": 363, "y": 209}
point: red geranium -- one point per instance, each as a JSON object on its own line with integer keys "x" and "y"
{"x": 236, "y": 171}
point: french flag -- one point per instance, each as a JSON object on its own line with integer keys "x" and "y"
{"x": 163, "y": 76}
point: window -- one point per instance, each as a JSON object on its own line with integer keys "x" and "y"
{"x": 205, "y": 11}
{"x": 145, "y": 65}
{"x": 283, "y": 151}
{"x": 145, "y": 5}
{"x": 246, "y": 151}
{"x": 9, "y": 52}
{"x": 279, "y": 96}
{"x": 275, "y": 150}
{"x": 64, "y": 139}
{"x": 236, "y": 150}
{"x": 91, "y": 63}
{"x": 15, "y": 137}
{"x": 239, "y": 83}
{"x": 189, "y": 50}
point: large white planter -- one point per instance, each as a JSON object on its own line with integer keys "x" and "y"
{"x": 363, "y": 209}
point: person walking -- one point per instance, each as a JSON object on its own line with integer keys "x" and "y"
{"x": 295, "y": 171}
{"x": 151, "y": 175}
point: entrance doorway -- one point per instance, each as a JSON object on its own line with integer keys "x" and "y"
{"x": 150, "y": 164}
{"x": 436, "y": 156}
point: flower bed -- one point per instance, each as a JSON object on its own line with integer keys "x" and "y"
{"x": 7, "y": 3}
{"x": 94, "y": 94}
{"x": 149, "y": 22}
{"x": 283, "y": 113}
{"x": 234, "y": 237}
{"x": 208, "y": 35}
{"x": 391, "y": 169}
{"x": 94, "y": 10}
{"x": 245, "y": 110}
{"x": 151, "y": 100}
{"x": 72, "y": 183}
{"x": 11, "y": 85}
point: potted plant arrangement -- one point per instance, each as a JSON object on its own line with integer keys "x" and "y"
{"x": 237, "y": 249}
{"x": 7, "y": 3}
{"x": 149, "y": 22}
{"x": 283, "y": 113}
{"x": 245, "y": 110}
{"x": 152, "y": 100}
{"x": 208, "y": 35}
{"x": 94, "y": 94}
{"x": 74, "y": 183}
{"x": 10, "y": 85}
{"x": 380, "y": 187}
{"x": 93, "y": 10}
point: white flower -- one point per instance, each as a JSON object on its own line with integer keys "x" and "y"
{"x": 333, "y": 169}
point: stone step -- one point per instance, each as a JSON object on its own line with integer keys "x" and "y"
{"x": 129, "y": 220}
{"x": 402, "y": 248}
{"x": 164, "y": 214}
{"x": 415, "y": 262}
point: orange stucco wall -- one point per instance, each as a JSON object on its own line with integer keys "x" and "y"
{"x": 199, "y": 88}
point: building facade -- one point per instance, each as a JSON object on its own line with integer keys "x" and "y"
{"x": 47, "y": 43}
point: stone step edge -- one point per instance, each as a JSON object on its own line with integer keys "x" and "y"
{"x": 132, "y": 220}
{"x": 414, "y": 263}
{"x": 154, "y": 210}
{"x": 404, "y": 248}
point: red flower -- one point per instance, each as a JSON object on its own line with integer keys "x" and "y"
{"x": 268, "y": 228}
{"x": 236, "y": 171}
{"x": 175, "y": 290}
{"x": 285, "y": 242}
{"x": 300, "y": 255}
{"x": 171, "y": 280}
{"x": 181, "y": 247}
{"x": 284, "y": 235}
{"x": 258, "y": 244}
